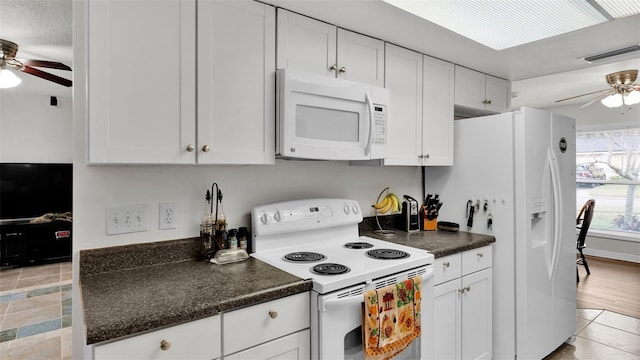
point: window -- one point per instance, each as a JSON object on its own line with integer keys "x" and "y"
{"x": 607, "y": 169}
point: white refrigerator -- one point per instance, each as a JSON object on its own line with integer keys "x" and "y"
{"x": 517, "y": 171}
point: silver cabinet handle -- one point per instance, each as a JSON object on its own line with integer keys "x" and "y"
{"x": 165, "y": 345}
{"x": 190, "y": 148}
{"x": 480, "y": 255}
{"x": 206, "y": 148}
{"x": 273, "y": 314}
{"x": 333, "y": 67}
{"x": 467, "y": 289}
{"x": 342, "y": 70}
{"x": 446, "y": 264}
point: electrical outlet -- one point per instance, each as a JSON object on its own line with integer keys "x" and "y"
{"x": 167, "y": 216}
{"x": 126, "y": 219}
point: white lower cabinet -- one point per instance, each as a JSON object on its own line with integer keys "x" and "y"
{"x": 277, "y": 329}
{"x": 198, "y": 339}
{"x": 463, "y": 305}
{"x": 291, "y": 347}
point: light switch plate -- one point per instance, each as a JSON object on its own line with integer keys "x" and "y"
{"x": 126, "y": 219}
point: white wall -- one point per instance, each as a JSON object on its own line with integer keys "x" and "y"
{"x": 31, "y": 130}
{"x": 597, "y": 115}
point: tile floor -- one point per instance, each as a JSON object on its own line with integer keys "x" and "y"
{"x": 35, "y": 312}
{"x": 602, "y": 334}
{"x": 35, "y": 321}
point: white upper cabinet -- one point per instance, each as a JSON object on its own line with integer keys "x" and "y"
{"x": 143, "y": 89}
{"x": 421, "y": 126}
{"x": 498, "y": 93}
{"x": 437, "y": 112}
{"x": 236, "y": 82}
{"x": 360, "y": 58}
{"x": 312, "y": 46}
{"x": 141, "y": 81}
{"x": 403, "y": 78}
{"x": 479, "y": 94}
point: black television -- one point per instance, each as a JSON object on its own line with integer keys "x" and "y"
{"x": 29, "y": 190}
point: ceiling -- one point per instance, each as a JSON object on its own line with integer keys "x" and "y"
{"x": 541, "y": 72}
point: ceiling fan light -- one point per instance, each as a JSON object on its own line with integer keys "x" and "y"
{"x": 632, "y": 98}
{"x": 612, "y": 101}
{"x": 8, "y": 79}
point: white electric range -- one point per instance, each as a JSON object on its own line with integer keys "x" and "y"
{"x": 318, "y": 239}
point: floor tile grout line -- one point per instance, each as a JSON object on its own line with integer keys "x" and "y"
{"x": 617, "y": 328}
{"x": 608, "y": 345}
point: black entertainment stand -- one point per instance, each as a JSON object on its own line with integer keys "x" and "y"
{"x": 23, "y": 243}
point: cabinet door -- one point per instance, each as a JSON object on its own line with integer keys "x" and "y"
{"x": 469, "y": 88}
{"x": 447, "y": 320}
{"x": 305, "y": 44}
{"x": 360, "y": 58}
{"x": 141, "y": 81}
{"x": 437, "y": 112}
{"x": 198, "y": 339}
{"x": 498, "y": 91}
{"x": 292, "y": 347}
{"x": 403, "y": 77}
{"x": 236, "y": 82}
{"x": 477, "y": 323}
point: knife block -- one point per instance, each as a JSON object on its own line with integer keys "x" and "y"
{"x": 428, "y": 225}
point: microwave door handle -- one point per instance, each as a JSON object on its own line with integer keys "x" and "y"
{"x": 369, "y": 103}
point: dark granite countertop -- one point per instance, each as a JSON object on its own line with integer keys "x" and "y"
{"x": 121, "y": 300}
{"x": 439, "y": 243}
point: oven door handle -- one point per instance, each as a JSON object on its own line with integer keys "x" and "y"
{"x": 330, "y": 304}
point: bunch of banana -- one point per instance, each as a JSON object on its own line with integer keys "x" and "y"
{"x": 389, "y": 203}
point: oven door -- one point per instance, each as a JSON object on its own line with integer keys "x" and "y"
{"x": 337, "y": 320}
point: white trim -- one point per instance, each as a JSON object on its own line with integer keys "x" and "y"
{"x": 612, "y": 255}
{"x": 614, "y": 235}
{"x": 602, "y": 127}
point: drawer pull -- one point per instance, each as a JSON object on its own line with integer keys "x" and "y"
{"x": 165, "y": 345}
{"x": 446, "y": 264}
{"x": 273, "y": 314}
{"x": 480, "y": 255}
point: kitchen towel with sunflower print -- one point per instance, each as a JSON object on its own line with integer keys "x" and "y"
{"x": 391, "y": 319}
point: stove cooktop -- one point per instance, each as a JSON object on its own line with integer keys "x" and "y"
{"x": 318, "y": 239}
{"x": 360, "y": 267}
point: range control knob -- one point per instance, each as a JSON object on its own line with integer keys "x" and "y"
{"x": 264, "y": 218}
{"x": 346, "y": 209}
{"x": 277, "y": 216}
{"x": 355, "y": 209}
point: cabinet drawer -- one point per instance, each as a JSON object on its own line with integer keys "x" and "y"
{"x": 447, "y": 268}
{"x": 198, "y": 339}
{"x": 254, "y": 325}
{"x": 477, "y": 259}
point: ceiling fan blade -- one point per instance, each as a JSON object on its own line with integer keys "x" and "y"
{"x": 45, "y": 64}
{"x": 577, "y": 96}
{"x": 596, "y": 99}
{"x": 47, "y": 76}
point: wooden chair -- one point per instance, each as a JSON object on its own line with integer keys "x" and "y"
{"x": 582, "y": 222}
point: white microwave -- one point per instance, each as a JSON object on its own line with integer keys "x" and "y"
{"x": 323, "y": 118}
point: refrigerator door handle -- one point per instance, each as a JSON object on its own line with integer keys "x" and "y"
{"x": 557, "y": 209}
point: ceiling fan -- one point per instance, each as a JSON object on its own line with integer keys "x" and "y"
{"x": 622, "y": 91}
{"x": 8, "y": 51}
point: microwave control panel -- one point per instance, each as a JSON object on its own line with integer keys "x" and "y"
{"x": 379, "y": 131}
